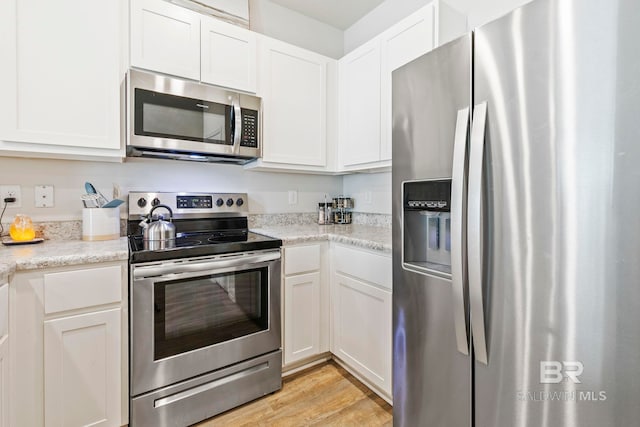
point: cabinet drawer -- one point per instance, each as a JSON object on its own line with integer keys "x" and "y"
{"x": 366, "y": 266}
{"x": 301, "y": 259}
{"x": 70, "y": 290}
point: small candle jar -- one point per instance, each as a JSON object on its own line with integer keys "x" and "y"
{"x": 21, "y": 229}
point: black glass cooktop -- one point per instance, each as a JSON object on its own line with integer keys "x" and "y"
{"x": 202, "y": 237}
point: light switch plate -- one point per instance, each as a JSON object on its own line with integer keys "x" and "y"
{"x": 43, "y": 196}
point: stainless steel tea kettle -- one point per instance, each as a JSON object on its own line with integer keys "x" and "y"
{"x": 159, "y": 234}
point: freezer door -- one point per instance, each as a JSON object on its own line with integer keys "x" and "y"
{"x": 431, "y": 373}
{"x": 561, "y": 197}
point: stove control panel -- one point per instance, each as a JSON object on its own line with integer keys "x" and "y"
{"x": 194, "y": 202}
{"x": 189, "y": 204}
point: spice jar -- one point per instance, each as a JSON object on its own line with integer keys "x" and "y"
{"x": 322, "y": 217}
{"x": 21, "y": 229}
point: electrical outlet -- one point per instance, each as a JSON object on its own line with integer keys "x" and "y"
{"x": 367, "y": 197}
{"x": 11, "y": 191}
{"x": 293, "y": 197}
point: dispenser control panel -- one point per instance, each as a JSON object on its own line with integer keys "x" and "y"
{"x": 432, "y": 195}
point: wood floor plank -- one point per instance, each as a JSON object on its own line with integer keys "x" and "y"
{"x": 325, "y": 395}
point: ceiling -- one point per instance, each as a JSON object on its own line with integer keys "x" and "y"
{"x": 337, "y": 13}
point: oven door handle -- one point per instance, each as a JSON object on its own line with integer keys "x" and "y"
{"x": 209, "y": 265}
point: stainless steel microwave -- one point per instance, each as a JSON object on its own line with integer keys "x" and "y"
{"x": 185, "y": 120}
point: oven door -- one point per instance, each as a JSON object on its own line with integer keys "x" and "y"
{"x": 194, "y": 316}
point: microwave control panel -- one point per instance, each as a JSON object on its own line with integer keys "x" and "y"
{"x": 249, "y": 128}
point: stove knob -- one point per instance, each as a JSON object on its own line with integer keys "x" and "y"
{"x": 155, "y": 202}
{"x": 219, "y": 202}
{"x": 229, "y": 202}
{"x": 142, "y": 202}
{"x": 239, "y": 202}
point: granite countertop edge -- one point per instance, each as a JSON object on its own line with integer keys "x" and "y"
{"x": 60, "y": 253}
{"x": 63, "y": 253}
{"x": 367, "y": 237}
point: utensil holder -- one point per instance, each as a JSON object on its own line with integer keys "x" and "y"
{"x": 100, "y": 224}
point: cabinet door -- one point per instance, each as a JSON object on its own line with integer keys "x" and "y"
{"x": 362, "y": 329}
{"x": 293, "y": 85}
{"x": 4, "y": 381}
{"x": 4, "y": 355}
{"x": 301, "y": 316}
{"x": 165, "y": 38}
{"x": 228, "y": 55}
{"x": 359, "y": 74}
{"x": 61, "y": 73}
{"x": 82, "y": 370}
{"x": 404, "y": 42}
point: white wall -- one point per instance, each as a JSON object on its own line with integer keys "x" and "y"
{"x": 268, "y": 192}
{"x": 292, "y": 27}
{"x": 371, "y": 192}
{"x": 391, "y": 11}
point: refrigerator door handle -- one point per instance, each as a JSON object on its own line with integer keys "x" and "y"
{"x": 474, "y": 229}
{"x": 458, "y": 253}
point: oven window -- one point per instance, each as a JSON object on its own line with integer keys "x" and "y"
{"x": 177, "y": 117}
{"x": 206, "y": 310}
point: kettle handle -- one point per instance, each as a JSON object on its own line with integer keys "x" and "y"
{"x": 161, "y": 206}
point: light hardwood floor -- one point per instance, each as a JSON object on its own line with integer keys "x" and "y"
{"x": 325, "y": 395}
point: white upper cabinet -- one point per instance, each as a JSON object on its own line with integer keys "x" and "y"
{"x": 165, "y": 38}
{"x": 360, "y": 105}
{"x": 62, "y": 67}
{"x": 173, "y": 40}
{"x": 293, "y": 84}
{"x": 228, "y": 55}
{"x": 365, "y": 82}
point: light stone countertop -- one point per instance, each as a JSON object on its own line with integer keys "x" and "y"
{"x": 60, "y": 253}
{"x": 364, "y": 236}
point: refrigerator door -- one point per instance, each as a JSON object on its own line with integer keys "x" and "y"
{"x": 561, "y": 196}
{"x": 431, "y": 378}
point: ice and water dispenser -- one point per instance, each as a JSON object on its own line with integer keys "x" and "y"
{"x": 426, "y": 236}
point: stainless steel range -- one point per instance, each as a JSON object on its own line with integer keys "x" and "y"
{"x": 205, "y": 310}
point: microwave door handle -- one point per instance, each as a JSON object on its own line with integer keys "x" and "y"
{"x": 237, "y": 124}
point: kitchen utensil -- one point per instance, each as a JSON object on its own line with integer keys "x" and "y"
{"x": 159, "y": 234}
{"x": 90, "y": 189}
{"x": 113, "y": 204}
{"x": 90, "y": 200}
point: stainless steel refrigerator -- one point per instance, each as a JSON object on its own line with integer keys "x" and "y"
{"x": 516, "y": 223}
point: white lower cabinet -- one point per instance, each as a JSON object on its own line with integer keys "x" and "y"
{"x": 69, "y": 353}
{"x": 4, "y": 381}
{"x": 337, "y": 299}
{"x": 361, "y": 305}
{"x": 305, "y": 303}
{"x": 302, "y": 333}
{"x": 82, "y": 370}
{"x": 4, "y": 355}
